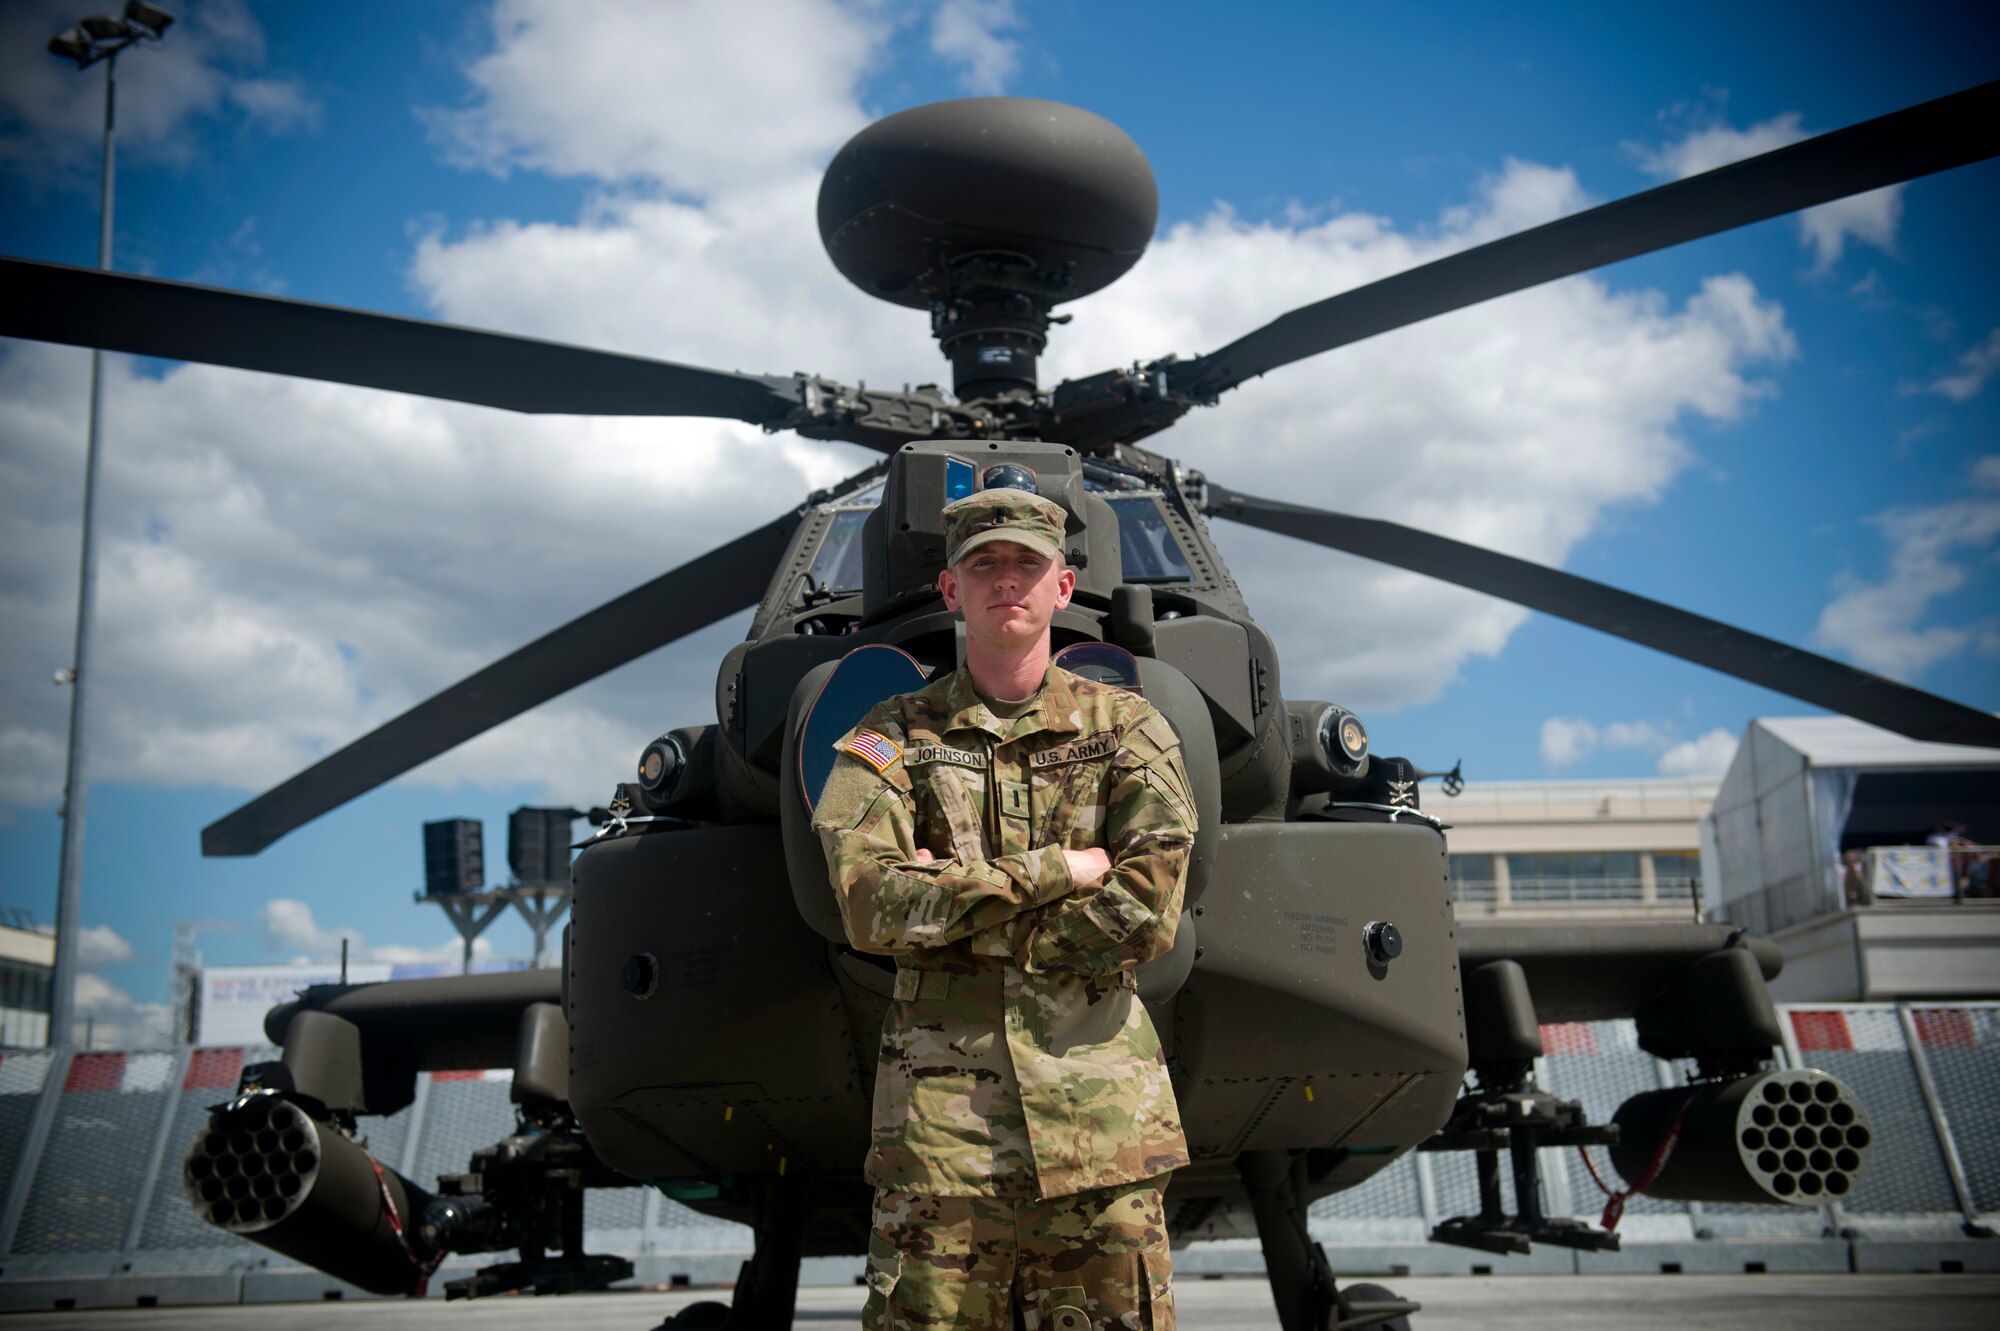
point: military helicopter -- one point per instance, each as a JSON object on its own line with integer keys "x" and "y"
{"x": 710, "y": 1033}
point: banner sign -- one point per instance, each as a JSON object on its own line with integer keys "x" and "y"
{"x": 1911, "y": 871}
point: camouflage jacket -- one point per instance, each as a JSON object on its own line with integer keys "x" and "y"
{"x": 1016, "y": 1059}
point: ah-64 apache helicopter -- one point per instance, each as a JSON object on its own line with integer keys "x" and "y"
{"x": 710, "y": 1033}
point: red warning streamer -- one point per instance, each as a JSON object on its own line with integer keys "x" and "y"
{"x": 1614, "y": 1207}
{"x": 424, "y": 1269}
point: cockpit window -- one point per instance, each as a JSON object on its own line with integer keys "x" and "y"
{"x": 837, "y": 563}
{"x": 1149, "y": 551}
{"x": 1147, "y": 548}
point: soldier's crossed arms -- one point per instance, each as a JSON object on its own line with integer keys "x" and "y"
{"x": 896, "y": 897}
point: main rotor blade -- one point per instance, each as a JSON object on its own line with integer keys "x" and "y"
{"x": 1733, "y": 651}
{"x": 669, "y": 607}
{"x": 147, "y": 316}
{"x": 1936, "y": 136}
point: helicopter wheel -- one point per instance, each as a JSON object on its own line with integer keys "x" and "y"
{"x": 704, "y": 1316}
{"x": 1355, "y": 1298}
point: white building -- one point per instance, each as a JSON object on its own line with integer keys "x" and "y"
{"x": 27, "y": 960}
{"x": 1802, "y": 794}
{"x": 1576, "y": 850}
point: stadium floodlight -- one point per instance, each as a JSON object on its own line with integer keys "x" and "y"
{"x": 150, "y": 17}
{"x": 71, "y": 45}
{"x": 100, "y": 37}
{"x": 95, "y": 39}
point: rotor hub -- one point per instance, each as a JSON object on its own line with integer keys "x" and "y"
{"x": 992, "y": 322}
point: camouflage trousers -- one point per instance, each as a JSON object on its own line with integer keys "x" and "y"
{"x": 1097, "y": 1260}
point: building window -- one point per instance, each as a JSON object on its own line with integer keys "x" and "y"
{"x": 1472, "y": 878}
{"x": 1612, "y": 876}
{"x": 1676, "y": 873}
{"x": 19, "y": 985}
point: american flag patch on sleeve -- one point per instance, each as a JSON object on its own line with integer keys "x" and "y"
{"x": 877, "y": 750}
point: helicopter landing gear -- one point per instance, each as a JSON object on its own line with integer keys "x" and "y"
{"x": 1372, "y": 1305}
{"x": 767, "y": 1287}
{"x": 1509, "y": 1114}
{"x": 1301, "y": 1281}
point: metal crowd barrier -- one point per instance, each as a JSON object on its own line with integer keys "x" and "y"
{"x": 91, "y": 1208}
{"x": 1929, "y": 1076}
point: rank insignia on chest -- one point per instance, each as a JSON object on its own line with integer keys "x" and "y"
{"x": 921, "y": 754}
{"x": 877, "y": 750}
{"x": 1097, "y": 746}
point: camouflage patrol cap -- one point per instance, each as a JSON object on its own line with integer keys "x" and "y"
{"x": 1003, "y": 515}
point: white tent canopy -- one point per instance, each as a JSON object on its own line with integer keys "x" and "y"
{"x": 1771, "y": 845}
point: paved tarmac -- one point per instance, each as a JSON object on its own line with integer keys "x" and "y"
{"x": 1458, "y": 1303}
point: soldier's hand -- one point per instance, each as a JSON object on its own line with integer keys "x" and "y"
{"x": 925, "y": 857}
{"x": 1087, "y": 866}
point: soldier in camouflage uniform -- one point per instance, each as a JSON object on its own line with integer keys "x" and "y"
{"x": 1017, "y": 837}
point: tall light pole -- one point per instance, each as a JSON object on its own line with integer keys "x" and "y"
{"x": 95, "y": 39}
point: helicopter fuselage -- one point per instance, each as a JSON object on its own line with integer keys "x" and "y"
{"x": 749, "y": 1042}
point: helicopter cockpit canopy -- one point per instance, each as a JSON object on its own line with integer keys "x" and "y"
{"x": 903, "y": 545}
{"x": 1149, "y": 552}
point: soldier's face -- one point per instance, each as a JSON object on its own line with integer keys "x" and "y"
{"x": 1007, "y": 593}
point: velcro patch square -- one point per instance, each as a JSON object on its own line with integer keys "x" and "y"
{"x": 877, "y": 750}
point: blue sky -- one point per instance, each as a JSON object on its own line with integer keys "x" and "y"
{"x": 1783, "y": 427}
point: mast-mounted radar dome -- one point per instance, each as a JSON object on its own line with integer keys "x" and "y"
{"x": 988, "y": 211}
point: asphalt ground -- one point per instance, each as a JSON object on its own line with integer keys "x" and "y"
{"x": 1456, "y": 1303}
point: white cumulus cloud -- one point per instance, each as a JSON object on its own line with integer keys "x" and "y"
{"x": 968, "y": 33}
{"x": 1515, "y": 425}
{"x": 1567, "y": 741}
{"x": 1718, "y": 145}
{"x": 289, "y": 926}
{"x": 1871, "y": 218}
{"x": 114, "y": 1019}
{"x": 1704, "y": 758}
{"x": 1975, "y": 366}
{"x": 287, "y": 564}
{"x": 689, "y": 96}
{"x": 1877, "y": 623}
{"x": 291, "y": 929}
{"x": 101, "y": 945}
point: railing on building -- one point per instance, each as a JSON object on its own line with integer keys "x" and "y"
{"x": 1590, "y": 880}
{"x": 1561, "y": 801}
{"x": 1593, "y": 891}
{"x": 91, "y": 1146}
{"x": 1899, "y": 877}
